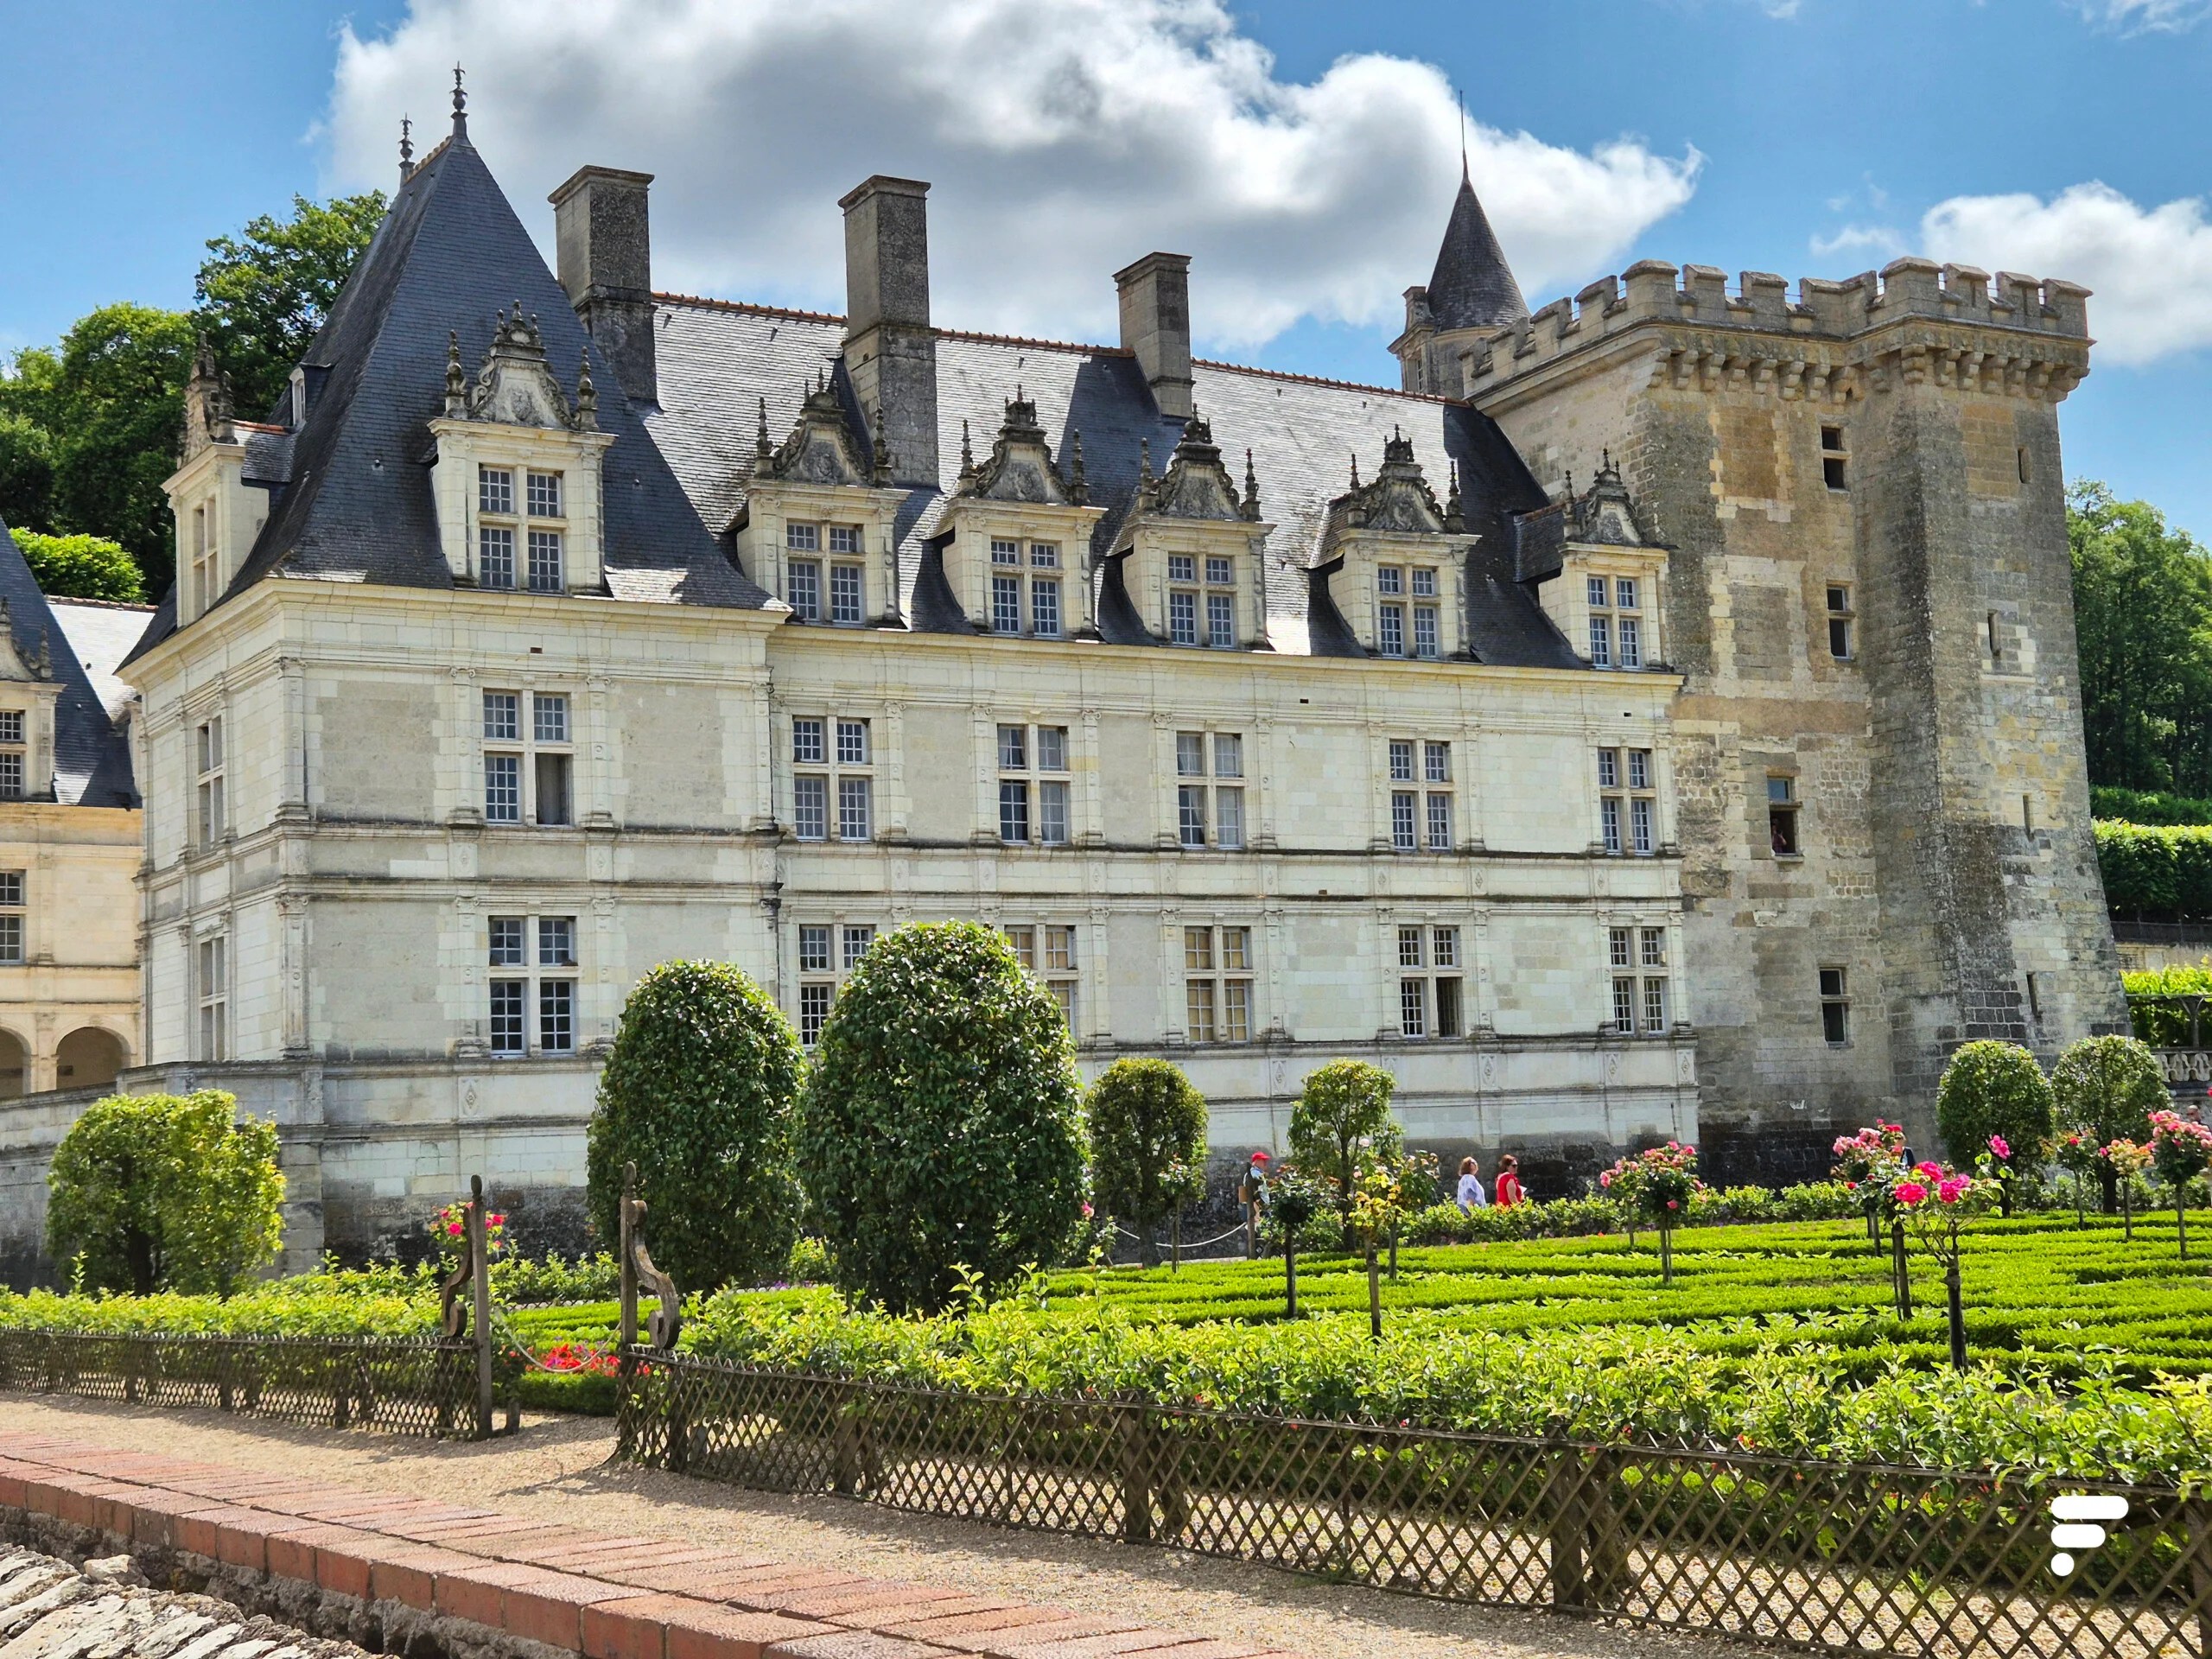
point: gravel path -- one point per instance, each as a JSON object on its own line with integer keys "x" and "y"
{"x": 557, "y": 1469}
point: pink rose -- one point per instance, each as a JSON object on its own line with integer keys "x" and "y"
{"x": 1910, "y": 1192}
{"x": 453, "y": 1227}
{"x": 1672, "y": 1205}
{"x": 1928, "y": 1171}
{"x": 1997, "y": 1145}
{"x": 1948, "y": 1192}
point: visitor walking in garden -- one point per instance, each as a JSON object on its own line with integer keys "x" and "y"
{"x": 1508, "y": 1182}
{"x": 1252, "y": 1194}
{"x": 1471, "y": 1196}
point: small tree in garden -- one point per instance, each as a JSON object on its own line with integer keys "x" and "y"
{"x": 1656, "y": 1184}
{"x": 2119, "y": 1162}
{"x": 701, "y": 1093}
{"x": 941, "y": 1128}
{"x": 1294, "y": 1199}
{"x": 152, "y": 1192}
{"x": 2105, "y": 1089}
{"x": 1869, "y": 1164}
{"x": 2075, "y": 1152}
{"x": 1932, "y": 1199}
{"x": 1342, "y": 1126}
{"x": 1386, "y": 1195}
{"x": 1148, "y": 1127}
{"x": 1993, "y": 1090}
{"x": 2181, "y": 1151}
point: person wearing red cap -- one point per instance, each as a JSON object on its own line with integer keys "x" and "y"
{"x": 1252, "y": 1193}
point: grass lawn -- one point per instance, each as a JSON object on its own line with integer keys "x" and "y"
{"x": 2037, "y": 1292}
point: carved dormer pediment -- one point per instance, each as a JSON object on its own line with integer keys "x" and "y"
{"x": 15, "y": 664}
{"x": 821, "y": 448}
{"x": 1396, "y": 501}
{"x": 515, "y": 384}
{"x": 1197, "y": 484}
{"x": 207, "y": 414}
{"x": 1021, "y": 466}
{"x": 1605, "y": 515}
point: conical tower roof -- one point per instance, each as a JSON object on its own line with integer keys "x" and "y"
{"x": 1472, "y": 287}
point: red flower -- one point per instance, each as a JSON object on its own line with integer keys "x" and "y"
{"x": 453, "y": 1227}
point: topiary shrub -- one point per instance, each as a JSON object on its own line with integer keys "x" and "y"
{"x": 1994, "y": 1092}
{"x": 1148, "y": 1127}
{"x": 2103, "y": 1090}
{"x": 150, "y": 1192}
{"x": 1342, "y": 1125}
{"x": 941, "y": 1125}
{"x": 701, "y": 1093}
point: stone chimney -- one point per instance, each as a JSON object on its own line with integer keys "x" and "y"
{"x": 890, "y": 349}
{"x": 605, "y": 257}
{"x": 1156, "y": 325}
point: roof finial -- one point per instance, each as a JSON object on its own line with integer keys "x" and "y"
{"x": 460, "y": 108}
{"x": 1570, "y": 484}
{"x": 456, "y": 377}
{"x": 763, "y": 453}
{"x": 1144, "y": 466}
{"x": 587, "y": 397}
{"x": 1455, "y": 516}
{"x": 1354, "y": 469}
{"x": 967, "y": 453}
{"x": 1078, "y": 488}
{"x": 1251, "y": 490}
{"x": 1460, "y": 98}
{"x": 406, "y": 149}
{"x": 880, "y": 456}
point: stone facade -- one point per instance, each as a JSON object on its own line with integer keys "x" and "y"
{"x": 511, "y": 679}
{"x": 1869, "y": 601}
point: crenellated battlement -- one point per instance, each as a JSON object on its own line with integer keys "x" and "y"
{"x": 1833, "y": 338}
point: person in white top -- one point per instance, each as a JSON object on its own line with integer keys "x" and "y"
{"x": 1471, "y": 1196}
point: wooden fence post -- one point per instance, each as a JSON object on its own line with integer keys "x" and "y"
{"x": 1136, "y": 1475}
{"x": 479, "y": 1292}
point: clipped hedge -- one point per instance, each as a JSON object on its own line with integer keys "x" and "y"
{"x": 2147, "y": 806}
{"x": 2156, "y": 872}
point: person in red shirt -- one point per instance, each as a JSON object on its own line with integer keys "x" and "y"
{"x": 1509, "y": 1181}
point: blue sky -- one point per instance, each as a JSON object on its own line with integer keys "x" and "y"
{"x": 1302, "y": 151}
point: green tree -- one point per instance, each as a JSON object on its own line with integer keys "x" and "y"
{"x": 942, "y": 1128}
{"x": 26, "y": 470}
{"x": 2105, "y": 1089}
{"x": 262, "y": 296}
{"x": 1341, "y": 1127}
{"x": 1147, "y": 1124}
{"x": 165, "y": 1193}
{"x": 701, "y": 1093}
{"x": 2143, "y": 619}
{"x": 80, "y": 567}
{"x": 110, "y": 400}
{"x": 1993, "y": 1092}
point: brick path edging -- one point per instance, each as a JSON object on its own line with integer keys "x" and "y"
{"x": 414, "y": 1576}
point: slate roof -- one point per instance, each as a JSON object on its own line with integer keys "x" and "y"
{"x": 91, "y": 760}
{"x": 352, "y": 498}
{"x": 1472, "y": 287}
{"x": 351, "y": 494}
{"x": 717, "y": 358}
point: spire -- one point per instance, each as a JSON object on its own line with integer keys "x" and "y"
{"x": 460, "y": 108}
{"x": 1460, "y": 98}
{"x": 1472, "y": 286}
{"x": 406, "y": 149}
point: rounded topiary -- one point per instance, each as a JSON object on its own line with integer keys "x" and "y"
{"x": 941, "y": 1130}
{"x": 1342, "y": 1125}
{"x": 1147, "y": 1124}
{"x": 1992, "y": 1089}
{"x": 2103, "y": 1090}
{"x": 701, "y": 1093}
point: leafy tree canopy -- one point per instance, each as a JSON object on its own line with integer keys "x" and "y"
{"x": 81, "y": 567}
{"x": 940, "y": 1142}
{"x": 700, "y": 1092}
{"x": 262, "y": 296}
{"x": 2143, "y": 613}
{"x": 1342, "y": 1128}
{"x": 1992, "y": 1089}
{"x": 152, "y": 1192}
{"x": 26, "y": 469}
{"x": 1147, "y": 1124}
{"x": 2105, "y": 1089}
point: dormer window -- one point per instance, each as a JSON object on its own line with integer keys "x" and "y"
{"x": 804, "y": 545}
{"x": 499, "y": 529}
{"x": 13, "y": 757}
{"x": 1215, "y": 599}
{"x": 1616, "y": 621}
{"x": 1041, "y": 572}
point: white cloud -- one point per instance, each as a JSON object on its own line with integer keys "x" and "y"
{"x": 1063, "y": 141}
{"x": 2146, "y": 16}
{"x": 2150, "y": 267}
{"x": 1855, "y": 238}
